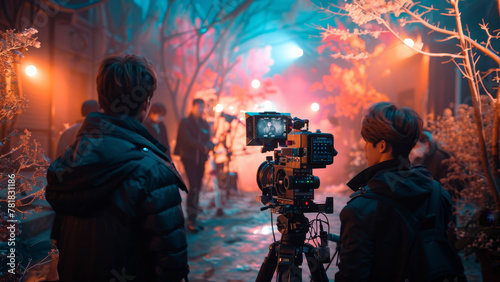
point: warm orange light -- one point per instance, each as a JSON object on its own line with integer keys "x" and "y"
{"x": 30, "y": 70}
{"x": 409, "y": 42}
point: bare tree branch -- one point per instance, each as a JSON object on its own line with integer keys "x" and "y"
{"x": 477, "y": 110}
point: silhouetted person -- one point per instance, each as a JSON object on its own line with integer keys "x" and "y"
{"x": 69, "y": 135}
{"x": 116, "y": 190}
{"x": 376, "y": 243}
{"x": 155, "y": 126}
{"x": 428, "y": 153}
{"x": 193, "y": 145}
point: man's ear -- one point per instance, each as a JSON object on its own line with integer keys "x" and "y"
{"x": 383, "y": 146}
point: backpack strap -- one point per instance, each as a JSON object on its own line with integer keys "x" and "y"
{"x": 430, "y": 222}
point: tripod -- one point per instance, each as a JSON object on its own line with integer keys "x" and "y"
{"x": 285, "y": 256}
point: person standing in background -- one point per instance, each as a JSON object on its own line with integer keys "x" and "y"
{"x": 193, "y": 145}
{"x": 155, "y": 126}
{"x": 69, "y": 135}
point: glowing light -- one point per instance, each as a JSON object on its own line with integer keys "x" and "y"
{"x": 315, "y": 107}
{"x": 409, "y": 42}
{"x": 30, "y": 70}
{"x": 264, "y": 230}
{"x": 294, "y": 51}
{"x": 255, "y": 83}
{"x": 268, "y": 106}
{"x": 298, "y": 52}
{"x": 219, "y": 108}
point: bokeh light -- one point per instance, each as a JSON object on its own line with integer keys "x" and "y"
{"x": 263, "y": 230}
{"x": 268, "y": 106}
{"x": 30, "y": 70}
{"x": 409, "y": 42}
{"x": 296, "y": 52}
{"x": 255, "y": 83}
{"x": 219, "y": 108}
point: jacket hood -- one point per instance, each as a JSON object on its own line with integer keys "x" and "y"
{"x": 107, "y": 149}
{"x": 396, "y": 179}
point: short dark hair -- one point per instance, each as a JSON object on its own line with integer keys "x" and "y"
{"x": 89, "y": 106}
{"x": 158, "y": 108}
{"x": 400, "y": 127}
{"x": 198, "y": 101}
{"x": 124, "y": 82}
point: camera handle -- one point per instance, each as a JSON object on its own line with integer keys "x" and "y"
{"x": 285, "y": 256}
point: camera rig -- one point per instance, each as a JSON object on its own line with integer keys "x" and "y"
{"x": 287, "y": 184}
{"x": 286, "y": 180}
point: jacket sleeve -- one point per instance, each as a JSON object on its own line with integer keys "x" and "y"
{"x": 163, "y": 223}
{"x": 186, "y": 139}
{"x": 357, "y": 248}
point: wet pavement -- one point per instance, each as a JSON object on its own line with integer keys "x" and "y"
{"x": 233, "y": 246}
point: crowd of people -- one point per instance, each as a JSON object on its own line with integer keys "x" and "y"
{"x": 117, "y": 193}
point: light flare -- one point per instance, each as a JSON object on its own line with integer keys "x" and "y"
{"x": 31, "y": 70}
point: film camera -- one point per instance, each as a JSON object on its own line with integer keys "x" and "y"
{"x": 287, "y": 186}
{"x": 286, "y": 181}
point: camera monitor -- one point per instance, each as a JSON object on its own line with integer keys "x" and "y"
{"x": 266, "y": 128}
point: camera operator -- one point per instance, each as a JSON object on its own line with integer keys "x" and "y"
{"x": 376, "y": 242}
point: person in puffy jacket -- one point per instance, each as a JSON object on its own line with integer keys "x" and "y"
{"x": 375, "y": 241}
{"x": 116, "y": 191}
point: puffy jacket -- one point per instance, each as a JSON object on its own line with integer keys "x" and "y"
{"x": 118, "y": 197}
{"x": 375, "y": 240}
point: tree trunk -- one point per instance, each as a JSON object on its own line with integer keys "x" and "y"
{"x": 494, "y": 142}
{"x": 494, "y": 189}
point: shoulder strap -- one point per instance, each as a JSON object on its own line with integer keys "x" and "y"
{"x": 433, "y": 207}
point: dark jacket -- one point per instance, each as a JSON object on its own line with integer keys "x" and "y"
{"x": 159, "y": 131}
{"x": 375, "y": 240}
{"x": 193, "y": 138}
{"x": 118, "y": 195}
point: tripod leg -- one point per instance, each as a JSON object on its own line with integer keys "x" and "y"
{"x": 289, "y": 260}
{"x": 268, "y": 267}
{"x": 317, "y": 269}
{"x": 292, "y": 274}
